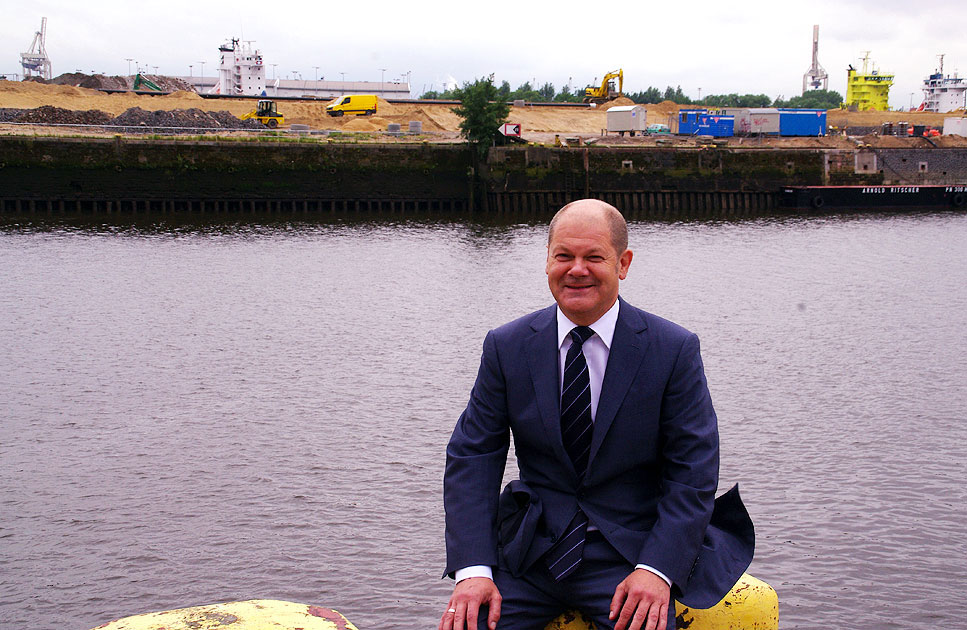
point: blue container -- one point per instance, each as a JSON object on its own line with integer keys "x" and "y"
{"x": 698, "y": 122}
{"x": 802, "y": 122}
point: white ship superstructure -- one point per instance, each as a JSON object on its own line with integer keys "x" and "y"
{"x": 240, "y": 71}
{"x": 943, "y": 93}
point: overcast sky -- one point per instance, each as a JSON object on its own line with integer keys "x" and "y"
{"x": 751, "y": 46}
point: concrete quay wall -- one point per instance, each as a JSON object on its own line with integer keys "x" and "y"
{"x": 67, "y": 177}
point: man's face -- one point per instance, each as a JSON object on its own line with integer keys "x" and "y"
{"x": 583, "y": 268}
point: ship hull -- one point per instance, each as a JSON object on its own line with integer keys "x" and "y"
{"x": 874, "y": 197}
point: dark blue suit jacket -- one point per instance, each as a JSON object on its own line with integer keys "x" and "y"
{"x": 653, "y": 467}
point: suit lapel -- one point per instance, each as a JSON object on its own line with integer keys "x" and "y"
{"x": 543, "y": 359}
{"x": 628, "y": 347}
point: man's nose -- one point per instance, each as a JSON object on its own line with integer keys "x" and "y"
{"x": 579, "y": 267}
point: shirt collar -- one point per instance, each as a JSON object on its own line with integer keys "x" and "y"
{"x": 603, "y": 328}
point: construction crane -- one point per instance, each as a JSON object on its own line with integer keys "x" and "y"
{"x": 816, "y": 77}
{"x": 606, "y": 92}
{"x": 35, "y": 61}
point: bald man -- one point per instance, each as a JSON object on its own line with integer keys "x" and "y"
{"x": 617, "y": 445}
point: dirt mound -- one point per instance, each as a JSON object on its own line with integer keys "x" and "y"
{"x": 359, "y": 123}
{"x": 193, "y": 118}
{"x": 103, "y": 82}
{"x": 10, "y": 114}
{"x": 55, "y": 115}
{"x": 621, "y": 101}
{"x": 665, "y": 108}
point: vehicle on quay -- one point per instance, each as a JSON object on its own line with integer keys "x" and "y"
{"x": 266, "y": 113}
{"x": 358, "y": 104}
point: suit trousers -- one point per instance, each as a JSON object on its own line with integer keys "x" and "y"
{"x": 533, "y": 600}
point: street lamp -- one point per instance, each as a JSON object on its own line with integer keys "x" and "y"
{"x": 343, "y": 76}
{"x": 316, "y": 74}
{"x": 202, "y": 68}
{"x": 129, "y": 60}
{"x": 189, "y": 70}
{"x": 382, "y": 73}
{"x": 273, "y": 69}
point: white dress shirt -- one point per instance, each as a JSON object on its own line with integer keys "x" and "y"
{"x": 596, "y": 351}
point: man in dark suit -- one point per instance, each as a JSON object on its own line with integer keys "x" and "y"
{"x": 617, "y": 446}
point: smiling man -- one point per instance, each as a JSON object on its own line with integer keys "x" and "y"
{"x": 617, "y": 446}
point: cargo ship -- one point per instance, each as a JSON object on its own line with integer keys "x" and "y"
{"x": 874, "y": 197}
{"x": 943, "y": 93}
{"x": 867, "y": 89}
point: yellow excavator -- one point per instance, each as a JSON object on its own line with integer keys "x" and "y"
{"x": 267, "y": 114}
{"x": 606, "y": 92}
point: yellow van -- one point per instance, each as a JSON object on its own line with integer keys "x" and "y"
{"x": 358, "y": 104}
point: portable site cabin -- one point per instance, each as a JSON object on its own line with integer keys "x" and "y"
{"x": 754, "y": 121}
{"x": 802, "y": 122}
{"x": 772, "y": 121}
{"x": 955, "y": 127}
{"x": 698, "y": 122}
{"x": 630, "y": 118}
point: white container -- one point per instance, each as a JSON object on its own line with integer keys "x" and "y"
{"x": 955, "y": 127}
{"x": 751, "y": 121}
{"x": 630, "y": 118}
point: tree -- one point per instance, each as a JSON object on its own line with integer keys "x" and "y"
{"x": 482, "y": 112}
{"x": 813, "y": 99}
{"x": 547, "y": 92}
{"x": 503, "y": 92}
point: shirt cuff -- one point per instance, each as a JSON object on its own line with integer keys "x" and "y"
{"x": 646, "y": 568}
{"x": 477, "y": 570}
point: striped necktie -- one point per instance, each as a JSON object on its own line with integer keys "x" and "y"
{"x": 576, "y": 430}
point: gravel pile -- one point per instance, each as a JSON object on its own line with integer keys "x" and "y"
{"x": 134, "y": 120}
{"x": 57, "y": 115}
{"x": 194, "y": 118}
{"x": 10, "y": 114}
{"x": 104, "y": 82}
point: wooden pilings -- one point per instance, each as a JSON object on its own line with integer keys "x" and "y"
{"x": 224, "y": 207}
{"x": 646, "y": 205}
{"x": 635, "y": 205}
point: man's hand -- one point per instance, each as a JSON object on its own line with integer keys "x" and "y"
{"x": 468, "y": 596}
{"x": 641, "y": 602}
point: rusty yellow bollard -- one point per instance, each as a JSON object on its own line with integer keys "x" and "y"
{"x": 750, "y": 605}
{"x": 255, "y": 614}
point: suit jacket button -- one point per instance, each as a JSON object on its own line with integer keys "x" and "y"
{"x": 553, "y": 538}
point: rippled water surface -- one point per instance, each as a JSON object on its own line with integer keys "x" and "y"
{"x": 203, "y": 414}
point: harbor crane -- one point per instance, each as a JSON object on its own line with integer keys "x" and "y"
{"x": 35, "y": 61}
{"x": 816, "y": 77}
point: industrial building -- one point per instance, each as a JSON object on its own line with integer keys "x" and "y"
{"x": 241, "y": 72}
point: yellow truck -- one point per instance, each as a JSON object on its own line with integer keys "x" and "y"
{"x": 358, "y": 104}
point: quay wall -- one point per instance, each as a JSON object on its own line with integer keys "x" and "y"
{"x": 66, "y": 177}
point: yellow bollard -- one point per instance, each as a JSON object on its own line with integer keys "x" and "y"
{"x": 750, "y": 605}
{"x": 255, "y": 614}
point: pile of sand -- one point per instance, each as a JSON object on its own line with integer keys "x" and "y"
{"x": 436, "y": 118}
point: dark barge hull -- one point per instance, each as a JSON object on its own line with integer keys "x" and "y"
{"x": 873, "y": 197}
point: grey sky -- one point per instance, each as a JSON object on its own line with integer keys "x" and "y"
{"x": 746, "y": 47}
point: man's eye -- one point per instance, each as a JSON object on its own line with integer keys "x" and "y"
{"x": 562, "y": 257}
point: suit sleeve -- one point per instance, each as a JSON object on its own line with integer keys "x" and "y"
{"x": 476, "y": 456}
{"x": 690, "y": 463}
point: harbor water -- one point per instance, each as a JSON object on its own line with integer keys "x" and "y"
{"x": 192, "y": 414}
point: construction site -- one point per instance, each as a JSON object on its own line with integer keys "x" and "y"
{"x": 238, "y": 143}
{"x": 241, "y": 99}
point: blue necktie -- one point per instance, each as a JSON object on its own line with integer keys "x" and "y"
{"x": 576, "y": 430}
